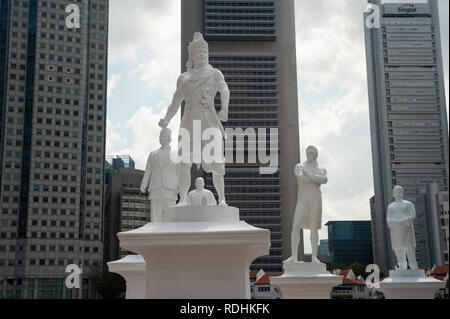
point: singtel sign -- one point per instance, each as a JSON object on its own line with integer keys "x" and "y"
{"x": 407, "y": 9}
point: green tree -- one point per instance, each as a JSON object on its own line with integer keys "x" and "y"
{"x": 111, "y": 286}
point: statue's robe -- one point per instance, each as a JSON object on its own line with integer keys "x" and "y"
{"x": 199, "y": 93}
{"x": 309, "y": 204}
{"x": 400, "y": 219}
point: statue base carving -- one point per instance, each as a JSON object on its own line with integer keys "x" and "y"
{"x": 410, "y": 284}
{"x": 204, "y": 252}
{"x": 306, "y": 281}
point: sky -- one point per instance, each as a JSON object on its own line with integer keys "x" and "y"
{"x": 144, "y": 64}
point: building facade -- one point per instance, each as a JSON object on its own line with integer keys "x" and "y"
{"x": 408, "y": 113}
{"x": 52, "y": 145}
{"x": 125, "y": 209}
{"x": 432, "y": 226}
{"x": 253, "y": 44}
{"x": 350, "y": 242}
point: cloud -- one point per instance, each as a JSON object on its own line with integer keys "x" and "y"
{"x": 147, "y": 42}
{"x": 145, "y": 134}
{"x": 112, "y": 83}
{"x": 114, "y": 139}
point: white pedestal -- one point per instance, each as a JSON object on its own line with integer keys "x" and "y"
{"x": 204, "y": 252}
{"x": 410, "y": 284}
{"x": 132, "y": 269}
{"x": 306, "y": 281}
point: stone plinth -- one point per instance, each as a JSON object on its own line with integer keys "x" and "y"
{"x": 132, "y": 269}
{"x": 410, "y": 284}
{"x": 204, "y": 252}
{"x": 306, "y": 281}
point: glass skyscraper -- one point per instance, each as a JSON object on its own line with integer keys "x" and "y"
{"x": 253, "y": 44}
{"x": 121, "y": 161}
{"x": 53, "y": 80}
{"x": 350, "y": 242}
{"x": 407, "y": 109}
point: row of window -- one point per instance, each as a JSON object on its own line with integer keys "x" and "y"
{"x": 53, "y": 5}
{"x": 46, "y": 262}
{"x": 36, "y": 235}
{"x": 46, "y": 211}
{"x": 51, "y": 248}
{"x": 239, "y": 18}
{"x": 259, "y": 3}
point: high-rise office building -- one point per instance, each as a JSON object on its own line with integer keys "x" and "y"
{"x": 432, "y": 226}
{"x": 350, "y": 242}
{"x": 52, "y": 145}
{"x": 253, "y": 44}
{"x": 408, "y": 113}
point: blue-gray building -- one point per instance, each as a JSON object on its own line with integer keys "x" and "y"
{"x": 350, "y": 242}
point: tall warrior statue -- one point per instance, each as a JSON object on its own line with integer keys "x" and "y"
{"x": 198, "y": 88}
{"x": 401, "y": 215}
{"x": 308, "y": 214}
{"x": 161, "y": 177}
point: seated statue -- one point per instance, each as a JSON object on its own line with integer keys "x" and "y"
{"x": 201, "y": 196}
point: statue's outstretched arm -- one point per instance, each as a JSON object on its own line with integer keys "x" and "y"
{"x": 175, "y": 105}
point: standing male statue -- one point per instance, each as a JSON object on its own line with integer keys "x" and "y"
{"x": 308, "y": 214}
{"x": 161, "y": 177}
{"x": 198, "y": 88}
{"x": 401, "y": 215}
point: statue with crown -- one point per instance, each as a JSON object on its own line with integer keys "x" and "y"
{"x": 196, "y": 249}
{"x": 198, "y": 88}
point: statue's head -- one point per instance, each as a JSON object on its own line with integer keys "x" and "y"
{"x": 398, "y": 192}
{"x": 165, "y": 137}
{"x": 312, "y": 153}
{"x": 199, "y": 183}
{"x": 198, "y": 52}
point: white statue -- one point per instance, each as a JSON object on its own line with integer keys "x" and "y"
{"x": 308, "y": 214}
{"x": 198, "y": 88}
{"x": 161, "y": 177}
{"x": 401, "y": 215}
{"x": 201, "y": 196}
